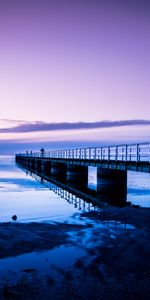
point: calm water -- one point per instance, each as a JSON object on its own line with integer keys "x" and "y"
{"x": 30, "y": 200}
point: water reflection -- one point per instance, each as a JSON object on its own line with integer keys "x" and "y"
{"x": 71, "y": 195}
{"x": 138, "y": 192}
{"x": 30, "y": 200}
{"x": 43, "y": 262}
{"x": 83, "y": 198}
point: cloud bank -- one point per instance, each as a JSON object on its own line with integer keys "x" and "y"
{"x": 43, "y": 126}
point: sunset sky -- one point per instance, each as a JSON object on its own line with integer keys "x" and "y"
{"x": 65, "y": 64}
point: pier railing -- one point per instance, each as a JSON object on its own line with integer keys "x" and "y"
{"x": 135, "y": 152}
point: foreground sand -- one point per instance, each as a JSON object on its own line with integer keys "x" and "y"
{"x": 116, "y": 263}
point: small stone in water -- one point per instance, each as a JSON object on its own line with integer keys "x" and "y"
{"x": 14, "y": 217}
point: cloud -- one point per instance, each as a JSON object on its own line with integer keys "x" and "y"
{"x": 43, "y": 126}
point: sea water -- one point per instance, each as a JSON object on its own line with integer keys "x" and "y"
{"x": 30, "y": 200}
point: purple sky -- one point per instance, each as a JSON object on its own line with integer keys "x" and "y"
{"x": 74, "y": 61}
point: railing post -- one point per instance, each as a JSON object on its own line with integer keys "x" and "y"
{"x": 137, "y": 153}
{"x": 80, "y": 153}
{"x": 122, "y": 153}
{"x": 126, "y": 152}
{"x": 130, "y": 153}
{"x": 89, "y": 153}
{"x": 116, "y": 153}
{"x": 73, "y": 153}
{"x": 76, "y": 153}
{"x": 101, "y": 153}
{"x": 95, "y": 153}
{"x": 108, "y": 153}
{"x": 98, "y": 153}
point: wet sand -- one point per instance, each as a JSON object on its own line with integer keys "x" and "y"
{"x": 116, "y": 264}
{"x": 137, "y": 216}
{"x": 19, "y": 238}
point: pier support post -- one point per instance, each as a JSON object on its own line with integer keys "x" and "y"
{"x": 112, "y": 184}
{"x": 59, "y": 171}
{"x": 47, "y": 168}
{"x": 77, "y": 176}
{"x": 43, "y": 166}
{"x": 38, "y": 165}
{"x": 32, "y": 164}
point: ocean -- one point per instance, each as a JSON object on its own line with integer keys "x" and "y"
{"x": 21, "y": 194}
